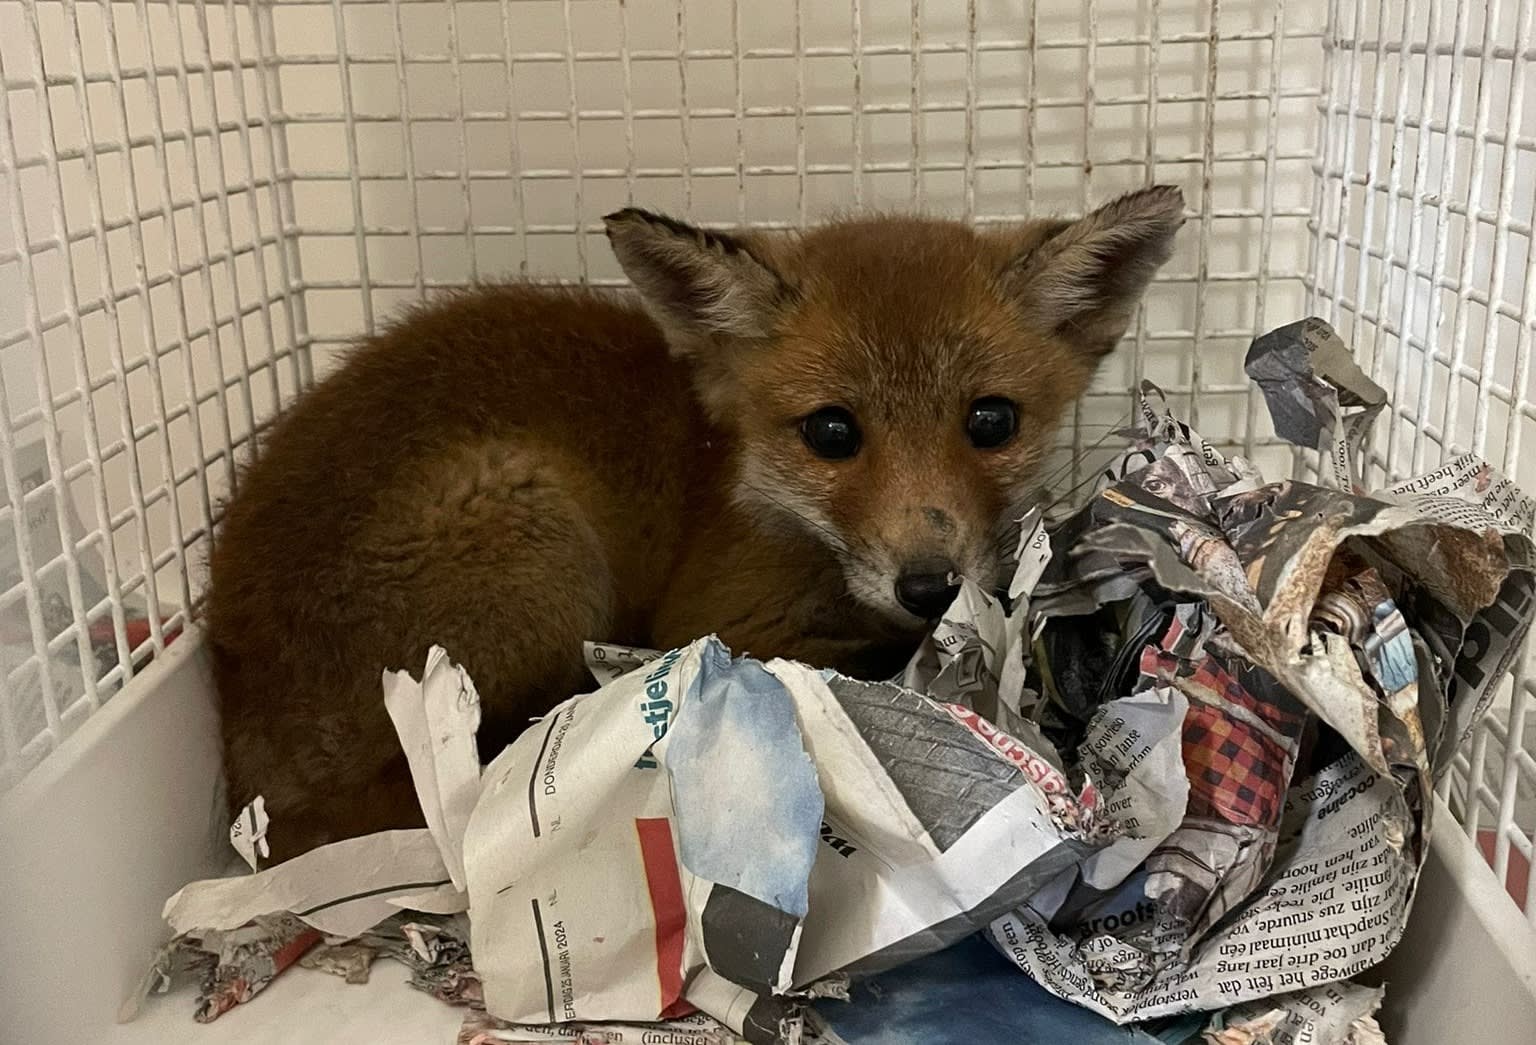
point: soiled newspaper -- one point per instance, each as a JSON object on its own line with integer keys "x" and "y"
{"x": 230, "y": 967}
{"x": 435, "y": 948}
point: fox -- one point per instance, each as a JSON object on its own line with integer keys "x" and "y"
{"x": 798, "y": 441}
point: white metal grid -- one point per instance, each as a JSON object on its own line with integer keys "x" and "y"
{"x": 147, "y": 320}
{"x": 203, "y": 201}
{"x": 1424, "y": 260}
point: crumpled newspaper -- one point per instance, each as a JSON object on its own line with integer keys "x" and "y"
{"x": 1338, "y": 1014}
{"x": 1277, "y": 610}
{"x": 1183, "y": 768}
{"x": 715, "y": 833}
{"x": 230, "y": 966}
{"x": 1318, "y": 397}
{"x": 483, "y": 1029}
{"x": 435, "y": 948}
{"x": 341, "y": 907}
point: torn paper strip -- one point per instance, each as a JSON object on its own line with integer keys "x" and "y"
{"x": 248, "y": 834}
{"x": 977, "y": 655}
{"x": 341, "y": 889}
{"x": 480, "y": 1028}
{"x": 961, "y": 660}
{"x": 436, "y": 720}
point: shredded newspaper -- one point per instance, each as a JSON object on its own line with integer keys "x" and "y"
{"x": 1180, "y": 777}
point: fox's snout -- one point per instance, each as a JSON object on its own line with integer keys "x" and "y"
{"x": 926, "y": 587}
{"x": 907, "y": 560}
{"x": 921, "y": 551}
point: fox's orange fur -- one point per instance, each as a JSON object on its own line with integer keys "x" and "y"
{"x": 511, "y": 470}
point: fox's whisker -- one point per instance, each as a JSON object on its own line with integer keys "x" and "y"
{"x": 1110, "y": 431}
{"x": 833, "y": 535}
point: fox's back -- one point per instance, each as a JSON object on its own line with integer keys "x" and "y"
{"x": 463, "y": 479}
{"x": 583, "y": 376}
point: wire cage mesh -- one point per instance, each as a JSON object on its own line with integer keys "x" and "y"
{"x": 202, "y": 204}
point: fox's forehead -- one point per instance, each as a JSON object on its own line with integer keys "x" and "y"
{"x": 907, "y": 316}
{"x": 899, "y": 271}
{"x": 906, "y": 374}
{"x": 870, "y": 243}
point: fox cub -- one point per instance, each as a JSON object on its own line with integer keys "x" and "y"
{"x": 795, "y": 441}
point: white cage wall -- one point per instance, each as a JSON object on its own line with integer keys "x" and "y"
{"x": 201, "y": 203}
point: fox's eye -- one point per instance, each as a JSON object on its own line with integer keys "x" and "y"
{"x": 832, "y": 433}
{"x": 992, "y": 422}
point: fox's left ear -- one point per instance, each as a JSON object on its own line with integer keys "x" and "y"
{"x": 1082, "y": 279}
{"x": 698, "y": 285}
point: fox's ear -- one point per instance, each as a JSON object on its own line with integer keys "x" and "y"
{"x": 1082, "y": 279}
{"x": 696, "y": 284}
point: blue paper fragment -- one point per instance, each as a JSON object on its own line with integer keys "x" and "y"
{"x": 747, "y": 801}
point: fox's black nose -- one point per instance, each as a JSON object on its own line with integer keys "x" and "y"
{"x": 924, "y": 588}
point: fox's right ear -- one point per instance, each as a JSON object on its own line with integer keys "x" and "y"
{"x": 698, "y": 285}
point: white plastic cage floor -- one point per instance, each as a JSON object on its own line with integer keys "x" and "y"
{"x": 302, "y": 1006}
